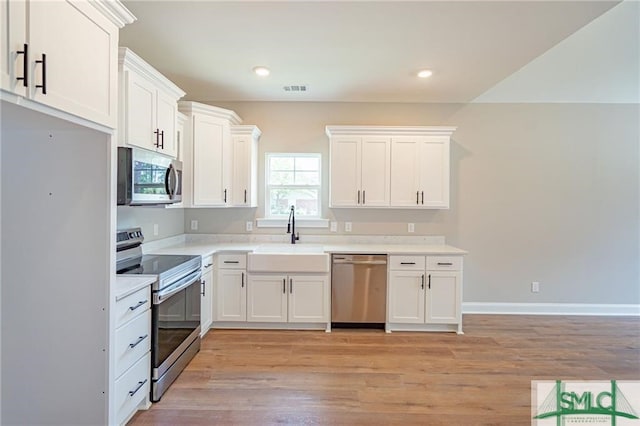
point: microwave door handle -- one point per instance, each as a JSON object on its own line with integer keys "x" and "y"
{"x": 170, "y": 181}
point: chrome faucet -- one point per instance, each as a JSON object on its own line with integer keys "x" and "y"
{"x": 291, "y": 226}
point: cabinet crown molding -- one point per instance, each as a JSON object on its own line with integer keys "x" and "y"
{"x": 189, "y": 107}
{"x": 246, "y": 129}
{"x": 115, "y": 11}
{"x": 390, "y": 130}
{"x": 127, "y": 58}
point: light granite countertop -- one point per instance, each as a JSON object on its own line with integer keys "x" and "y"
{"x": 129, "y": 284}
{"x": 205, "y": 249}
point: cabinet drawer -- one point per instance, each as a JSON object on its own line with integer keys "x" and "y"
{"x": 132, "y": 305}
{"x": 207, "y": 263}
{"x": 232, "y": 261}
{"x": 132, "y": 388}
{"x": 407, "y": 263}
{"x": 132, "y": 341}
{"x": 444, "y": 263}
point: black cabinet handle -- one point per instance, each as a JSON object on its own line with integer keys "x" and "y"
{"x": 137, "y": 342}
{"x": 417, "y": 197}
{"x": 231, "y": 261}
{"x": 204, "y": 283}
{"x": 242, "y": 282}
{"x": 25, "y": 65}
{"x": 363, "y": 199}
{"x": 358, "y": 196}
{"x": 422, "y": 286}
{"x": 225, "y": 195}
{"x": 429, "y": 281}
{"x": 140, "y": 384}
{"x": 284, "y": 286}
{"x": 407, "y": 263}
{"x": 43, "y": 86}
{"x": 140, "y": 303}
{"x": 290, "y": 285}
{"x": 162, "y": 139}
{"x": 157, "y": 133}
{"x": 245, "y": 195}
{"x": 422, "y": 197}
{"x": 445, "y": 264}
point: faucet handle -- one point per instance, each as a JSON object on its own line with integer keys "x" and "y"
{"x": 297, "y": 236}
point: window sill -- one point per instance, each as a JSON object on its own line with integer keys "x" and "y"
{"x": 300, "y": 223}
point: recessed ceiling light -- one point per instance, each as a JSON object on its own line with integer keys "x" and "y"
{"x": 425, "y": 73}
{"x": 261, "y": 71}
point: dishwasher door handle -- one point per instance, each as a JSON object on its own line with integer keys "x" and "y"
{"x": 359, "y": 262}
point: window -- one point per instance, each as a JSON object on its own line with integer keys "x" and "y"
{"x": 293, "y": 180}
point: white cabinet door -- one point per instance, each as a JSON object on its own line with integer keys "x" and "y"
{"x": 434, "y": 172}
{"x": 267, "y": 298}
{"x": 420, "y": 172}
{"x": 443, "y": 299}
{"x": 13, "y": 17}
{"x": 209, "y": 165}
{"x": 206, "y": 302}
{"x": 405, "y": 173}
{"x": 166, "y": 111}
{"x": 375, "y": 173}
{"x": 406, "y": 297}
{"x": 308, "y": 298}
{"x": 345, "y": 171}
{"x": 140, "y": 111}
{"x": 241, "y": 183}
{"x": 230, "y": 295}
{"x": 80, "y": 45}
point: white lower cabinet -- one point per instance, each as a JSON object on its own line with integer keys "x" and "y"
{"x": 230, "y": 289}
{"x": 288, "y": 298}
{"x": 425, "y": 292}
{"x": 132, "y": 354}
{"x": 206, "y": 300}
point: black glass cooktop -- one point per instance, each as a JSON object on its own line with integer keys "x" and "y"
{"x": 153, "y": 264}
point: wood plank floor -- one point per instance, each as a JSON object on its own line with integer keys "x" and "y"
{"x": 367, "y": 377}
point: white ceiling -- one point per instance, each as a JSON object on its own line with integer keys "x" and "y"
{"x": 348, "y": 51}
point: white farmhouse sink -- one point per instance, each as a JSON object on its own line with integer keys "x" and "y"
{"x": 288, "y": 258}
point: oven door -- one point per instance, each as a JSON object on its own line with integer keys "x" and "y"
{"x": 175, "y": 323}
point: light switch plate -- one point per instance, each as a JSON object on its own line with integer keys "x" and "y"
{"x": 347, "y": 227}
{"x": 194, "y": 225}
{"x": 334, "y": 226}
{"x": 535, "y": 287}
{"x": 249, "y": 226}
{"x": 156, "y": 229}
{"x": 411, "y": 227}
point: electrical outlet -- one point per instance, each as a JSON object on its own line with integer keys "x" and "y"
{"x": 194, "y": 225}
{"x": 411, "y": 227}
{"x": 334, "y": 226}
{"x": 535, "y": 287}
{"x": 249, "y": 226}
{"x": 156, "y": 229}
{"x": 347, "y": 227}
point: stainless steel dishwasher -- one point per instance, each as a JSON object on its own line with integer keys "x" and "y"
{"x": 358, "y": 290}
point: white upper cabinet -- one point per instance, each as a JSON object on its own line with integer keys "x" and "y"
{"x": 360, "y": 170}
{"x": 244, "y": 184}
{"x": 148, "y": 106}
{"x": 389, "y": 166}
{"x": 63, "y": 54}
{"x": 420, "y": 172}
{"x": 208, "y": 155}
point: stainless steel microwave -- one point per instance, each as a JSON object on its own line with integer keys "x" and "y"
{"x": 147, "y": 178}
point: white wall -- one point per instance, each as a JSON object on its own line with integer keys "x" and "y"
{"x": 170, "y": 221}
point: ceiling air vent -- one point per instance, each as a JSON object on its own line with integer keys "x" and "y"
{"x": 295, "y": 88}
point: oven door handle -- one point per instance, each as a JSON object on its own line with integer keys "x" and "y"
{"x": 178, "y": 286}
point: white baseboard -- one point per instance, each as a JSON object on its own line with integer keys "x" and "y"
{"x": 551, "y": 309}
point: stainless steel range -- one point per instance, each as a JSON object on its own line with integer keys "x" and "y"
{"x": 175, "y": 311}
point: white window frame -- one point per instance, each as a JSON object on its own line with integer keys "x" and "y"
{"x": 281, "y": 220}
